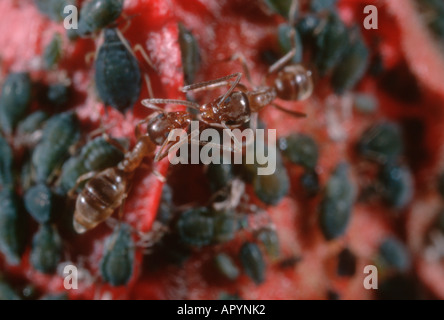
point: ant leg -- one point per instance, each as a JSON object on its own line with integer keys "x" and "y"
{"x": 79, "y": 181}
{"x": 282, "y": 61}
{"x": 243, "y": 61}
{"x": 290, "y": 112}
{"x": 214, "y": 83}
{"x": 148, "y": 85}
{"x": 142, "y": 51}
{"x": 150, "y": 103}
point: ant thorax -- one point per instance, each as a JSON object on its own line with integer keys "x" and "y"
{"x": 234, "y": 110}
{"x": 261, "y": 97}
{"x": 159, "y": 127}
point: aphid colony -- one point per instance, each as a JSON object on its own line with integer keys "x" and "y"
{"x": 64, "y": 169}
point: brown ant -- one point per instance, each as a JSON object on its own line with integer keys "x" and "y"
{"x": 105, "y": 191}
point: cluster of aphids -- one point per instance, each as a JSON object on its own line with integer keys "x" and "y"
{"x": 58, "y": 164}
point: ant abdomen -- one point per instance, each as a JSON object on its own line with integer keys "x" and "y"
{"x": 234, "y": 110}
{"x": 294, "y": 83}
{"x": 99, "y": 198}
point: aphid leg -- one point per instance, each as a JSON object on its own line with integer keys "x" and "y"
{"x": 290, "y": 112}
{"x": 237, "y": 144}
{"x": 114, "y": 143}
{"x": 80, "y": 180}
{"x": 142, "y": 51}
{"x": 281, "y": 62}
{"x": 148, "y": 86}
{"x": 150, "y": 103}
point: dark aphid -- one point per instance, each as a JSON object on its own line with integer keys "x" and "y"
{"x": 279, "y": 6}
{"x": 7, "y": 293}
{"x": 29, "y": 130}
{"x": 46, "y": 250}
{"x": 225, "y": 227}
{"x": 6, "y": 163}
{"x": 116, "y": 266}
{"x": 252, "y": 262}
{"x": 397, "y": 185}
{"x": 190, "y": 53}
{"x": 398, "y": 287}
{"x": 321, "y": 5}
{"x": 270, "y": 189}
{"x": 270, "y": 240}
{"x": 335, "y": 210}
{"x": 331, "y": 44}
{"x": 394, "y": 254}
{"x": 59, "y": 133}
{"x": 58, "y": 95}
{"x": 195, "y": 227}
{"x": 12, "y": 227}
{"x": 219, "y": 175}
{"x": 310, "y": 183}
{"x": 346, "y": 263}
{"x": 433, "y": 13}
{"x": 96, "y": 155}
{"x": 32, "y": 123}
{"x": 54, "y": 9}
{"x": 99, "y": 154}
{"x": 308, "y": 25}
{"x": 53, "y": 52}
{"x": 117, "y": 73}
{"x": 226, "y": 266}
{"x": 300, "y": 149}
{"x": 289, "y": 262}
{"x": 71, "y": 171}
{"x": 97, "y": 14}
{"x": 55, "y": 296}
{"x": 351, "y": 68}
{"x": 228, "y": 296}
{"x": 166, "y": 206}
{"x": 15, "y": 100}
{"x": 365, "y": 103}
{"x": 39, "y": 202}
{"x": 381, "y": 142}
{"x": 284, "y": 34}
{"x": 333, "y": 295}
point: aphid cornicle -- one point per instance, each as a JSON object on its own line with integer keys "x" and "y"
{"x": 97, "y": 14}
{"x": 12, "y": 226}
{"x": 394, "y": 254}
{"x": 59, "y": 133}
{"x": 15, "y": 100}
{"x": 336, "y": 207}
{"x": 253, "y": 262}
{"x": 46, "y": 250}
{"x": 117, "y": 74}
{"x": 116, "y": 265}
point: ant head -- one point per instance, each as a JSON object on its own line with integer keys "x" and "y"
{"x": 234, "y": 110}
{"x": 159, "y": 127}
